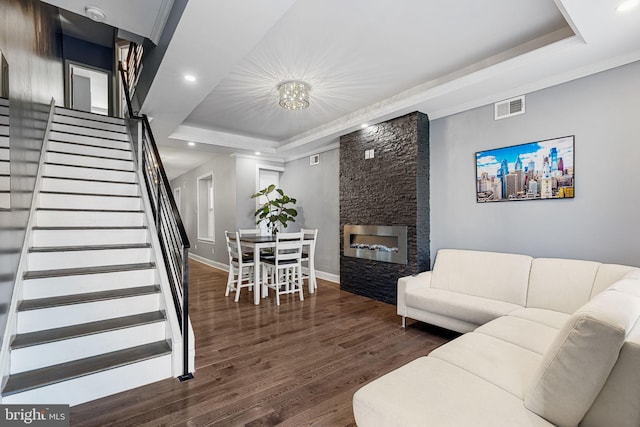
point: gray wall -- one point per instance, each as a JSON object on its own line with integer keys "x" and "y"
{"x": 223, "y": 168}
{"x": 599, "y": 224}
{"x": 316, "y": 190}
{"x": 28, "y": 40}
{"x": 246, "y": 168}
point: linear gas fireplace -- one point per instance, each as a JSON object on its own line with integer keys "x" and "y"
{"x": 387, "y": 243}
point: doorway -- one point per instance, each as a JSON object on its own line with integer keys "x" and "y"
{"x": 88, "y": 88}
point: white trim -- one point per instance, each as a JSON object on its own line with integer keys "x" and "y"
{"x": 212, "y": 208}
{"x": 329, "y": 277}
{"x": 209, "y": 262}
{"x": 11, "y": 325}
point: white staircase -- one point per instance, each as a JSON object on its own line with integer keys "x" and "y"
{"x": 4, "y": 154}
{"x": 91, "y": 318}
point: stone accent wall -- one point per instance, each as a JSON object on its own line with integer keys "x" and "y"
{"x": 392, "y": 188}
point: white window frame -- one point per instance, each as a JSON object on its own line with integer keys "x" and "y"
{"x": 209, "y": 205}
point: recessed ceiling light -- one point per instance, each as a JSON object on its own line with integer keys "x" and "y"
{"x": 95, "y": 14}
{"x": 190, "y": 78}
{"x": 257, "y": 153}
{"x": 364, "y": 126}
{"x": 627, "y": 5}
{"x": 191, "y": 144}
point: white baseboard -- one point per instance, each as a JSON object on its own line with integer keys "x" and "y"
{"x": 209, "y": 262}
{"x": 335, "y": 278}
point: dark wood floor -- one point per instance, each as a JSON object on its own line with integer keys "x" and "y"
{"x": 297, "y": 364}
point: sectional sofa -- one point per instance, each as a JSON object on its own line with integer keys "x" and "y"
{"x": 545, "y": 342}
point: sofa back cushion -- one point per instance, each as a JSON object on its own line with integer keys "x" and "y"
{"x": 608, "y": 274}
{"x": 578, "y": 362}
{"x": 560, "y": 284}
{"x": 492, "y": 275}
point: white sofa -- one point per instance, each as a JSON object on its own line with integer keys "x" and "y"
{"x": 546, "y": 342}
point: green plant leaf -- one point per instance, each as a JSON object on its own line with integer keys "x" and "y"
{"x": 270, "y": 188}
{"x": 280, "y": 192}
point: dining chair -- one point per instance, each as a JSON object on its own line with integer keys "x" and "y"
{"x": 306, "y": 254}
{"x": 241, "y": 266}
{"x": 284, "y": 273}
{"x": 249, "y": 231}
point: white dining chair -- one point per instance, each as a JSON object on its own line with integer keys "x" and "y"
{"x": 283, "y": 272}
{"x": 241, "y": 266}
{"x": 306, "y": 255}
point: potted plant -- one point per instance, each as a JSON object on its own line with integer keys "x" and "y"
{"x": 275, "y": 211}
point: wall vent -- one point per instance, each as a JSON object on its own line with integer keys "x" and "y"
{"x": 509, "y": 108}
{"x": 314, "y": 160}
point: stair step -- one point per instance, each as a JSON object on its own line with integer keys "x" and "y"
{"x": 90, "y": 150}
{"x": 93, "y": 141}
{"x": 88, "y": 123}
{"x": 87, "y": 270}
{"x": 5, "y": 167}
{"x": 88, "y": 247}
{"x": 4, "y": 154}
{"x": 89, "y": 116}
{"x": 88, "y": 131}
{"x": 37, "y": 378}
{"x": 66, "y": 200}
{"x": 83, "y": 236}
{"x": 80, "y": 186}
{"x": 88, "y": 217}
{"x": 57, "y": 334}
{"x": 37, "y": 304}
{"x": 85, "y": 160}
{"x": 4, "y": 141}
{"x": 61, "y": 170}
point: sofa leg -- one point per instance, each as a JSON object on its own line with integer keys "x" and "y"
{"x": 404, "y": 322}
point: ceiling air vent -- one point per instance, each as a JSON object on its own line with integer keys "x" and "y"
{"x": 509, "y": 108}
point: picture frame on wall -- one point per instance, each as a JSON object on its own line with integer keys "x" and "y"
{"x": 536, "y": 170}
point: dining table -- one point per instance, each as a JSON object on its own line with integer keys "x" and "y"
{"x": 259, "y": 242}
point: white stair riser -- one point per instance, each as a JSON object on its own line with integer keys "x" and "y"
{"x": 79, "y": 259}
{"x": 40, "y": 356}
{"x": 88, "y": 140}
{"x": 5, "y": 199}
{"x": 4, "y": 141}
{"x": 4, "y": 108}
{"x": 5, "y": 168}
{"x": 88, "y": 173}
{"x": 71, "y": 159}
{"x": 89, "y": 123}
{"x": 90, "y": 116}
{"x": 90, "y": 150}
{"x": 82, "y": 237}
{"x": 97, "y": 385}
{"x": 4, "y": 120}
{"x": 83, "y": 283}
{"x": 74, "y": 314}
{"x": 79, "y": 186}
{"x": 88, "y": 219}
{"x": 89, "y": 131}
{"x": 5, "y": 182}
{"x": 77, "y": 201}
{"x": 4, "y": 154}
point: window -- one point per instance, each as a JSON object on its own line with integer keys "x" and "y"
{"x": 205, "y": 199}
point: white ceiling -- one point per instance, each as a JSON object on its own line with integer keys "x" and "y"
{"x": 366, "y": 61}
{"x": 142, "y": 17}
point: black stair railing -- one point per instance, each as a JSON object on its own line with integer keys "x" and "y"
{"x": 174, "y": 242}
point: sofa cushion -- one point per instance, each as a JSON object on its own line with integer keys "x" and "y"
{"x": 607, "y": 275}
{"x": 525, "y": 333}
{"x": 429, "y": 391}
{"x": 579, "y": 360}
{"x": 551, "y": 318}
{"x": 499, "y": 362}
{"x": 560, "y": 284}
{"x": 490, "y": 275}
{"x": 469, "y": 308}
{"x": 618, "y": 403}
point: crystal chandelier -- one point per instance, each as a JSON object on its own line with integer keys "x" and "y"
{"x": 294, "y": 95}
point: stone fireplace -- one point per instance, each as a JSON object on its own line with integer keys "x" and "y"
{"x": 384, "y": 188}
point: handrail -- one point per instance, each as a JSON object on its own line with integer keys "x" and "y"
{"x": 173, "y": 238}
